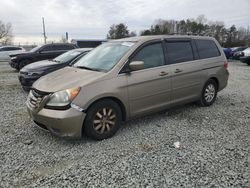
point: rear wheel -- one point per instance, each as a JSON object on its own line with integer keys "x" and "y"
{"x": 103, "y": 120}
{"x": 209, "y": 93}
{"x": 248, "y": 64}
{"x": 23, "y": 63}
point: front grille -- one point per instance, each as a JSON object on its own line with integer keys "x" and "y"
{"x": 36, "y": 97}
{"x": 24, "y": 73}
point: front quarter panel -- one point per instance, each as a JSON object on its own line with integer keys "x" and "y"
{"x": 113, "y": 87}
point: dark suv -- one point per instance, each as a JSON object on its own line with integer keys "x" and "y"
{"x": 47, "y": 51}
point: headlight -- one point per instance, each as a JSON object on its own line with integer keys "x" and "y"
{"x": 62, "y": 98}
{"x": 13, "y": 58}
{"x": 35, "y": 73}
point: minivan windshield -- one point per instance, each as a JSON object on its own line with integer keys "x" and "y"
{"x": 67, "y": 56}
{"x": 104, "y": 57}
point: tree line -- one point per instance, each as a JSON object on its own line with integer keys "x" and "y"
{"x": 227, "y": 37}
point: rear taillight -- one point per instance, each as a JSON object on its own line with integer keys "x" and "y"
{"x": 225, "y": 64}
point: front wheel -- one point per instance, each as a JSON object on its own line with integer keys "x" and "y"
{"x": 103, "y": 119}
{"x": 209, "y": 93}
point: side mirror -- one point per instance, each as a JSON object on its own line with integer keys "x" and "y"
{"x": 136, "y": 65}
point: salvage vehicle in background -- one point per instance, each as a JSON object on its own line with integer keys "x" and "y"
{"x": 47, "y": 51}
{"x": 127, "y": 78}
{"x": 227, "y": 52}
{"x": 6, "y": 51}
{"x": 246, "y": 56}
{"x": 237, "y": 52}
{"x": 30, "y": 73}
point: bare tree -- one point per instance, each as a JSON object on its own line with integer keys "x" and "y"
{"x": 5, "y": 33}
{"x": 63, "y": 40}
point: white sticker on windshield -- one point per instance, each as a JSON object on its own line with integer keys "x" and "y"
{"x": 75, "y": 53}
{"x": 129, "y": 44}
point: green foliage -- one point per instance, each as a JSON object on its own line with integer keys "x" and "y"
{"x": 119, "y": 31}
{"x": 228, "y": 37}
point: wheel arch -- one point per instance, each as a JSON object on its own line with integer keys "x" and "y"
{"x": 115, "y": 99}
{"x": 216, "y": 80}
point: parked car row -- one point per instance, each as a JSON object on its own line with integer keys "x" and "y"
{"x": 245, "y": 58}
{"x": 6, "y": 51}
{"x": 123, "y": 79}
{"x": 30, "y": 73}
{"x": 47, "y": 51}
{"x": 238, "y": 53}
{"x": 234, "y": 53}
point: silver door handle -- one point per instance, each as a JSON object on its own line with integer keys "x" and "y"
{"x": 178, "y": 70}
{"x": 163, "y": 73}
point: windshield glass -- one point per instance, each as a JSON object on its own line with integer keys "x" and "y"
{"x": 68, "y": 56}
{"x": 104, "y": 57}
{"x": 35, "y": 49}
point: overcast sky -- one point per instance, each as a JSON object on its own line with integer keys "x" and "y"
{"x": 92, "y": 18}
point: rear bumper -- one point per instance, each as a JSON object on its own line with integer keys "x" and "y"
{"x": 63, "y": 123}
{"x": 223, "y": 80}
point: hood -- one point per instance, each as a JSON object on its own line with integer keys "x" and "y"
{"x": 19, "y": 53}
{"x": 40, "y": 65}
{"x": 66, "y": 78}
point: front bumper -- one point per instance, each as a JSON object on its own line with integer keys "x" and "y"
{"x": 245, "y": 59}
{"x": 63, "y": 123}
{"x": 27, "y": 81}
{"x": 13, "y": 65}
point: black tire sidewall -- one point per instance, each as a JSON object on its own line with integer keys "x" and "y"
{"x": 203, "y": 101}
{"x": 88, "y": 122}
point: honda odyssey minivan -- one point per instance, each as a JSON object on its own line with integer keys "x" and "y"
{"x": 127, "y": 78}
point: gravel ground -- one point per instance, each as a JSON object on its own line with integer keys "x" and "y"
{"x": 214, "y": 149}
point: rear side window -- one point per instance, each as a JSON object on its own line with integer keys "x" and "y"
{"x": 47, "y": 48}
{"x": 65, "y": 47}
{"x": 179, "y": 51}
{"x": 68, "y": 47}
{"x": 152, "y": 56}
{"x": 61, "y": 47}
{"x": 207, "y": 48}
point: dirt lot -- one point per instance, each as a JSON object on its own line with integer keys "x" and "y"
{"x": 214, "y": 148}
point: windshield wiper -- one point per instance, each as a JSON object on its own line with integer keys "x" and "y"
{"x": 88, "y": 68}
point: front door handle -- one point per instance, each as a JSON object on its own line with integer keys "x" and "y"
{"x": 178, "y": 70}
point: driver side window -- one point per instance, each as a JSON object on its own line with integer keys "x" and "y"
{"x": 152, "y": 55}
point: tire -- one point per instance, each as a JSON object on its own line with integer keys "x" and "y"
{"x": 103, "y": 120}
{"x": 248, "y": 64}
{"x": 23, "y": 63}
{"x": 209, "y": 93}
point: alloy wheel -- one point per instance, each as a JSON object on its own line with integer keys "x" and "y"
{"x": 104, "y": 120}
{"x": 209, "y": 92}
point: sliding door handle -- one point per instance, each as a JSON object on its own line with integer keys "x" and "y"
{"x": 163, "y": 73}
{"x": 178, "y": 70}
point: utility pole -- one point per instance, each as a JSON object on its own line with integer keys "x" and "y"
{"x": 44, "y": 34}
{"x": 67, "y": 36}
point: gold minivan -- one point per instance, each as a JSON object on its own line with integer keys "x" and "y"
{"x": 126, "y": 78}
